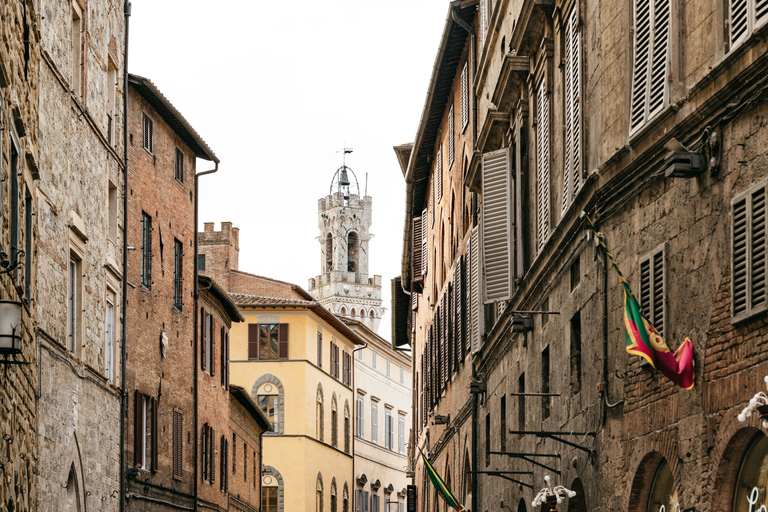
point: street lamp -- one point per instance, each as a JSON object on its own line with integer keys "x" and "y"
{"x": 10, "y": 327}
{"x": 759, "y": 402}
{"x": 551, "y": 496}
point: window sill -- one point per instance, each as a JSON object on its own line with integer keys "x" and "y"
{"x": 653, "y": 123}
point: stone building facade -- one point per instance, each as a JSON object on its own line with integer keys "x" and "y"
{"x": 19, "y": 151}
{"x": 79, "y": 222}
{"x": 160, "y": 457}
{"x": 649, "y": 117}
{"x": 344, "y": 218}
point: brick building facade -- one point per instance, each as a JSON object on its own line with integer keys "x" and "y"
{"x": 650, "y": 118}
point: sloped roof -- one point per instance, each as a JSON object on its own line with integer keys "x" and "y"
{"x": 242, "y": 299}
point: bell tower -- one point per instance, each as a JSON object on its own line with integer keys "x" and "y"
{"x": 344, "y": 287}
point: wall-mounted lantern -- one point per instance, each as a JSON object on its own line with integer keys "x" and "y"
{"x": 679, "y": 162}
{"x": 10, "y": 327}
{"x": 549, "y": 496}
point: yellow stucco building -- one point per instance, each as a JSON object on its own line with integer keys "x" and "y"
{"x": 296, "y": 358}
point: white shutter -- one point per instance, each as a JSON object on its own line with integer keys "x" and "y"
{"x": 417, "y": 257}
{"x": 450, "y": 137}
{"x": 424, "y": 242}
{"x": 641, "y": 51}
{"x": 761, "y": 12}
{"x": 497, "y": 225}
{"x": 465, "y": 96}
{"x": 739, "y": 22}
{"x": 483, "y": 24}
{"x": 439, "y": 171}
{"x": 468, "y": 287}
{"x": 650, "y": 72}
{"x": 657, "y": 95}
{"x": 572, "y": 76}
{"x": 432, "y": 201}
{"x": 542, "y": 165}
{"x": 476, "y": 308}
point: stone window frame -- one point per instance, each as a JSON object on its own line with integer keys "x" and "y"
{"x": 269, "y": 472}
{"x": 111, "y": 287}
{"x": 77, "y": 252}
{"x": 268, "y": 378}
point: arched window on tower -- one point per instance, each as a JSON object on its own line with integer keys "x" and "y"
{"x": 352, "y": 252}
{"x": 329, "y": 253}
{"x": 371, "y": 314}
{"x": 353, "y": 312}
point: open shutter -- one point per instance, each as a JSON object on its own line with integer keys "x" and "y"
{"x": 464, "y": 97}
{"x": 739, "y": 22}
{"x": 757, "y": 275}
{"x": 483, "y": 24}
{"x": 138, "y": 438}
{"x": 253, "y": 341}
{"x": 476, "y": 309}
{"x": 212, "y": 453}
{"x": 416, "y": 248}
{"x": 446, "y": 371}
{"x": 451, "y": 320}
{"x": 283, "y": 341}
{"x": 651, "y": 61}
{"x": 212, "y": 334}
{"x": 640, "y": 72}
{"x": 226, "y": 360}
{"x": 458, "y": 310}
{"x": 333, "y": 354}
{"x": 336, "y": 349}
{"x": 657, "y": 95}
{"x": 428, "y": 369}
{"x": 424, "y": 242}
{"x": 155, "y": 453}
{"x": 439, "y": 172}
{"x": 178, "y": 445}
{"x": 204, "y": 457}
{"x": 572, "y": 103}
{"x": 203, "y": 324}
{"x": 451, "y": 154}
{"x": 497, "y": 225}
{"x": 542, "y": 165}
{"x": 344, "y": 368}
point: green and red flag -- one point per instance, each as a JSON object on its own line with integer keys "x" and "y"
{"x": 643, "y": 339}
{"x": 442, "y": 489}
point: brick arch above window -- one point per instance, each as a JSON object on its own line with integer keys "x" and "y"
{"x": 260, "y": 386}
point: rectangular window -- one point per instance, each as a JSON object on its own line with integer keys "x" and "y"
{"x": 148, "y": 140}
{"x": 373, "y": 359}
{"x": 179, "y": 166}
{"x": 374, "y": 423}
{"x": 488, "y": 439}
{"x": 245, "y": 462}
{"x": 208, "y": 455}
{"x": 389, "y": 435}
{"x": 401, "y": 434}
{"x": 224, "y": 336}
{"x": 14, "y": 201}
{"x": 269, "y": 499}
{"x": 347, "y": 369}
{"x": 748, "y": 253}
{"x": 223, "y": 463}
{"x": 651, "y": 66}
{"x": 451, "y": 152}
{"x": 109, "y": 344}
{"x": 503, "y": 422}
{"x": 375, "y": 503}
{"x": 366, "y": 494}
{"x": 576, "y": 353}
{"x": 178, "y": 257}
{"x": 112, "y": 193}
{"x": 464, "y": 97}
{"x": 572, "y": 107}
{"x": 146, "y": 250}
{"x": 207, "y": 343}
{"x": 145, "y": 432}
{"x": 388, "y": 367}
{"x": 74, "y": 303}
{"x": 234, "y": 453}
{"x": 28, "y": 248}
{"x": 267, "y": 342}
{"x": 653, "y": 288}
{"x": 521, "y": 403}
{"x": 269, "y": 404}
{"x": 111, "y": 102}
{"x": 360, "y": 355}
{"x": 201, "y": 262}
{"x": 178, "y": 443}
{"x": 545, "y": 402}
{"x": 319, "y": 350}
{"x": 76, "y": 38}
{"x": 402, "y": 376}
{"x": 744, "y": 17}
{"x": 542, "y": 164}
{"x": 360, "y": 419}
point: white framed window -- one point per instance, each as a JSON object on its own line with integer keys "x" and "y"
{"x": 109, "y": 336}
{"x": 360, "y": 418}
{"x": 373, "y": 359}
{"x": 389, "y": 434}
{"x": 374, "y": 423}
{"x": 542, "y": 164}
{"x": 389, "y": 367}
{"x": 401, "y": 433}
{"x": 572, "y": 105}
{"x": 744, "y": 17}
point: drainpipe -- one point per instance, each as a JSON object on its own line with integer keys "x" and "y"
{"x": 123, "y": 394}
{"x": 474, "y": 444}
{"x": 195, "y": 321}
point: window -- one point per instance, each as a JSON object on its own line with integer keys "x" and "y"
{"x": 179, "y": 166}
{"x": 352, "y": 255}
{"x": 360, "y": 355}
{"x": 334, "y": 360}
{"x": 653, "y": 288}
{"x": 208, "y": 455}
{"x": 145, "y": 432}
{"x": 576, "y": 353}
{"x": 521, "y": 403}
{"x": 749, "y": 494}
{"x": 112, "y": 193}
{"x": 207, "y": 344}
{"x": 497, "y": 225}
{"x": 28, "y": 248}
{"x": 503, "y": 423}
{"x": 401, "y": 434}
{"x": 223, "y": 463}
{"x": 402, "y": 376}
{"x": 488, "y": 439}
{"x": 545, "y": 405}
{"x": 201, "y": 262}
{"x": 360, "y": 422}
{"x": 373, "y": 359}
{"x": 542, "y": 164}
{"x": 389, "y": 432}
{"x": 14, "y": 200}
{"x": 347, "y": 375}
{"x": 651, "y": 68}
{"x": 439, "y": 172}
{"x": 329, "y": 252}
{"x": 346, "y": 428}
{"x": 334, "y": 424}
{"x": 148, "y": 140}
{"x": 269, "y": 499}
{"x": 748, "y": 253}
{"x": 464, "y": 97}
{"x": 77, "y": 50}
{"x": 483, "y": 25}
{"x": 319, "y": 494}
{"x": 375, "y": 503}
{"x": 224, "y": 336}
{"x": 451, "y": 152}
{"x": 234, "y": 453}
{"x": 178, "y": 255}
{"x": 245, "y": 462}
{"x": 269, "y": 404}
{"x": 178, "y": 443}
{"x": 74, "y": 316}
{"x": 146, "y": 250}
{"x": 663, "y": 493}
{"x": 388, "y": 367}
{"x": 109, "y": 337}
{"x": 267, "y": 341}
{"x": 572, "y": 107}
{"x": 111, "y": 101}
{"x": 319, "y": 415}
{"x": 575, "y": 273}
{"x": 374, "y": 423}
{"x": 319, "y": 349}
{"x": 744, "y": 17}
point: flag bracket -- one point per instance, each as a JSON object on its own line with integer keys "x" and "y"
{"x": 503, "y": 474}
{"x": 555, "y": 436}
{"x": 525, "y": 457}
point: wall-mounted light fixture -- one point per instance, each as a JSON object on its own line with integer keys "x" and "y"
{"x": 442, "y": 419}
{"x": 681, "y": 163}
{"x": 550, "y": 496}
{"x": 10, "y": 328}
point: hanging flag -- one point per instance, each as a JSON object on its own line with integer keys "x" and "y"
{"x": 442, "y": 489}
{"x": 643, "y": 339}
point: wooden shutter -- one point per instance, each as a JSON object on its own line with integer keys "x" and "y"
{"x": 444, "y": 356}
{"x": 319, "y": 350}
{"x": 476, "y": 309}
{"x": 464, "y": 97}
{"x": 202, "y": 338}
{"x": 450, "y": 137}
{"x": 178, "y": 442}
{"x": 212, "y": 453}
{"x": 452, "y": 335}
{"x": 226, "y": 360}
{"x": 458, "y": 310}
{"x": 651, "y": 61}
{"x": 497, "y": 225}
{"x": 439, "y": 172}
{"x": 212, "y": 334}
{"x": 542, "y": 165}
{"x": 333, "y": 354}
{"x": 739, "y": 22}
{"x": 204, "y": 455}
{"x": 336, "y": 361}
{"x": 748, "y": 246}
{"x": 657, "y": 95}
{"x": 349, "y": 369}
{"x": 344, "y": 368}
{"x": 424, "y": 228}
{"x": 253, "y": 341}
{"x": 283, "y": 341}
{"x": 416, "y": 248}
{"x": 572, "y": 103}
{"x": 138, "y": 437}
{"x": 653, "y": 288}
{"x": 154, "y": 435}
{"x": 428, "y": 368}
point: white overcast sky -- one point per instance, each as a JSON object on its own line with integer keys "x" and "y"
{"x": 276, "y": 89}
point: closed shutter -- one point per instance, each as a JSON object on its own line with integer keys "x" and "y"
{"x": 319, "y": 350}
{"x": 344, "y": 368}
{"x": 223, "y": 358}
{"x": 572, "y": 102}
{"x": 497, "y": 225}
{"x": 416, "y": 248}
{"x": 212, "y": 453}
{"x": 424, "y": 228}
{"x": 203, "y": 325}
{"x": 468, "y": 294}
{"x": 204, "y": 456}
{"x": 432, "y": 202}
{"x": 138, "y": 435}
{"x": 430, "y": 366}
{"x": 477, "y": 311}
{"x": 483, "y": 24}
{"x": 748, "y": 246}
{"x": 458, "y": 310}
{"x": 178, "y": 446}
{"x": 336, "y": 349}
{"x": 450, "y": 137}
{"x": 444, "y": 344}
{"x": 542, "y": 165}
{"x": 333, "y": 354}
{"x": 212, "y": 334}
{"x": 253, "y": 341}
{"x": 464, "y": 97}
{"x": 439, "y": 171}
{"x": 154, "y": 435}
{"x": 651, "y": 61}
{"x": 653, "y": 288}
{"x": 283, "y": 341}
{"x": 226, "y": 381}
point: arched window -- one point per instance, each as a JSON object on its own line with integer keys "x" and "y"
{"x": 347, "y": 426}
{"x": 371, "y": 314}
{"x": 334, "y": 423}
{"x": 663, "y": 491}
{"x": 467, "y": 481}
{"x": 753, "y": 477}
{"x": 329, "y": 253}
{"x": 521, "y": 506}
{"x": 578, "y": 503}
{"x": 320, "y": 423}
{"x": 268, "y": 392}
{"x": 333, "y": 495}
{"x": 353, "y": 313}
{"x": 343, "y": 310}
{"x": 319, "y": 493}
{"x": 345, "y": 499}
{"x": 352, "y": 252}
{"x": 271, "y": 490}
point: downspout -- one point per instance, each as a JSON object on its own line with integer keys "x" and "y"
{"x": 474, "y": 444}
{"x": 195, "y": 324}
{"x": 124, "y": 306}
